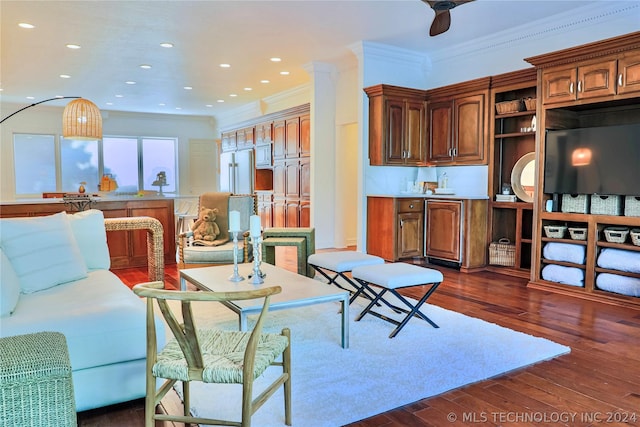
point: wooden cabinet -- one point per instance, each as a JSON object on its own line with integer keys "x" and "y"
{"x": 263, "y": 156}
{"x": 279, "y": 134}
{"x": 457, "y": 130}
{"x": 228, "y": 141}
{"x": 596, "y": 72}
{"x": 395, "y": 227}
{"x": 443, "y": 230}
{"x": 510, "y": 140}
{"x": 263, "y": 133}
{"x": 305, "y": 135}
{"x": 397, "y": 126}
{"x": 244, "y": 138}
{"x": 265, "y": 208}
{"x": 602, "y": 100}
{"x": 126, "y": 248}
{"x": 455, "y": 231}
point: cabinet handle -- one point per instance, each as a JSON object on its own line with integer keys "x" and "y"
{"x": 579, "y": 85}
{"x": 455, "y": 152}
{"x": 571, "y": 87}
{"x": 620, "y": 80}
{"x": 411, "y": 206}
{"x": 401, "y": 223}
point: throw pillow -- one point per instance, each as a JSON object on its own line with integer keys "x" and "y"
{"x": 42, "y": 251}
{"x": 91, "y": 236}
{"x": 9, "y": 286}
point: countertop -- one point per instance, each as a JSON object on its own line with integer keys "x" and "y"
{"x": 125, "y": 198}
{"x": 432, "y": 196}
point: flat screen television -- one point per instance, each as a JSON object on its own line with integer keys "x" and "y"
{"x": 596, "y": 160}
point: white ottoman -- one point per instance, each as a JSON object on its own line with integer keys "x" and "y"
{"x": 392, "y": 276}
{"x": 341, "y": 262}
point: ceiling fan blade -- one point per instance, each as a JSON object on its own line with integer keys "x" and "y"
{"x": 441, "y": 23}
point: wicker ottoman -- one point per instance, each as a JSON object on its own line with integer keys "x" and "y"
{"x": 35, "y": 381}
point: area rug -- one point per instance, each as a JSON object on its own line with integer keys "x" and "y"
{"x": 333, "y": 386}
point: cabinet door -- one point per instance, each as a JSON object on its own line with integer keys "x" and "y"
{"x": 443, "y": 230}
{"x": 415, "y": 133}
{"x": 469, "y": 129}
{"x": 263, "y": 133}
{"x": 263, "y": 156}
{"x": 279, "y": 208}
{"x": 305, "y": 213}
{"x": 597, "y": 80}
{"x": 305, "y": 178}
{"x": 279, "y": 179}
{"x": 305, "y": 136}
{"x": 292, "y": 218}
{"x": 228, "y": 141}
{"x": 264, "y": 211}
{"x": 279, "y": 134}
{"x": 394, "y": 136}
{"x": 292, "y": 178}
{"x": 559, "y": 85}
{"x": 410, "y": 232}
{"x": 292, "y": 138}
{"x": 629, "y": 74}
{"x": 440, "y": 116}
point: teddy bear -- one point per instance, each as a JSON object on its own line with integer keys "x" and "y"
{"x": 205, "y": 227}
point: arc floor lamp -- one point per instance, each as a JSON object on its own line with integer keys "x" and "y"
{"x": 81, "y": 118}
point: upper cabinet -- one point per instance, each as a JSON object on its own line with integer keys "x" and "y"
{"x": 397, "y": 126}
{"x": 591, "y": 73}
{"x": 457, "y": 120}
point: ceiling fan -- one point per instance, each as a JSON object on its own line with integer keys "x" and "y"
{"x": 442, "y": 20}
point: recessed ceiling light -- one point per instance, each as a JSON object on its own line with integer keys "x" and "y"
{"x": 130, "y": 82}
{"x": 145, "y": 66}
{"x": 162, "y": 104}
{"x": 178, "y": 108}
{"x": 284, "y": 73}
{"x": 188, "y": 88}
{"x": 208, "y": 105}
{"x": 225, "y": 65}
{"x": 248, "y": 89}
{"x": 59, "y": 96}
{"x": 26, "y": 25}
{"x": 65, "y": 76}
{"x": 30, "y": 97}
{"x": 220, "y": 101}
{"x": 73, "y": 46}
{"x": 109, "y": 103}
{"x": 119, "y": 96}
{"x": 265, "y": 81}
{"x": 275, "y": 59}
{"x": 233, "y": 95}
{"x": 167, "y": 45}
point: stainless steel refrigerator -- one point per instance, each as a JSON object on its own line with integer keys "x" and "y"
{"x": 236, "y": 172}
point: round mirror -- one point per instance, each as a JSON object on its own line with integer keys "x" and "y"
{"x": 523, "y": 177}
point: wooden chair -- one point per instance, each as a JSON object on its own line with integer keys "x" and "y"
{"x": 190, "y": 256}
{"x": 211, "y": 355}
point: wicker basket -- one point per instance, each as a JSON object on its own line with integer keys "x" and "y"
{"x": 578, "y": 233}
{"x": 635, "y": 236}
{"x": 502, "y": 253}
{"x": 530, "y": 104}
{"x": 616, "y": 234}
{"x": 555, "y": 231}
{"x": 632, "y": 206}
{"x": 506, "y": 107}
{"x": 606, "y": 205}
{"x": 576, "y": 203}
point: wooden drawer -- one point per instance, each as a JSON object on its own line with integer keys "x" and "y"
{"x": 410, "y": 205}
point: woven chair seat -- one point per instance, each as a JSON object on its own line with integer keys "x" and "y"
{"x": 223, "y": 354}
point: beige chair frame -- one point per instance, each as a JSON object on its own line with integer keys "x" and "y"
{"x": 185, "y": 335}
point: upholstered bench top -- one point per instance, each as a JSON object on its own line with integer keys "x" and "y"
{"x": 397, "y": 275}
{"x": 343, "y": 261}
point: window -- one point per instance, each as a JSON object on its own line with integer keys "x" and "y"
{"x": 43, "y": 164}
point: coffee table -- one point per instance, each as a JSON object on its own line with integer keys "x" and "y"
{"x": 297, "y": 291}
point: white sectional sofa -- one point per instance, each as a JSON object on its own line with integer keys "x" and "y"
{"x": 55, "y": 277}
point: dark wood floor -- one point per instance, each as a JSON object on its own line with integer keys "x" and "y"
{"x": 598, "y": 383}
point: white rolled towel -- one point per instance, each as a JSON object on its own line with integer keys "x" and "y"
{"x": 619, "y": 259}
{"x": 619, "y": 284}
{"x": 567, "y": 252}
{"x": 566, "y": 275}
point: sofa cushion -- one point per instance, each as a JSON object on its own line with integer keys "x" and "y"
{"x": 103, "y": 320}
{"x": 9, "y": 286}
{"x": 42, "y": 251}
{"x": 91, "y": 236}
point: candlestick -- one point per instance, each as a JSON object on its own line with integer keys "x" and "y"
{"x": 235, "y": 277}
{"x": 257, "y": 278}
{"x": 234, "y": 221}
{"x": 255, "y": 225}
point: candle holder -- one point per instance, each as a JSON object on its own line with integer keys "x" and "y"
{"x": 257, "y": 277}
{"x": 235, "y": 277}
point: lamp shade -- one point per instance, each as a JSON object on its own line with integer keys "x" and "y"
{"x": 82, "y": 120}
